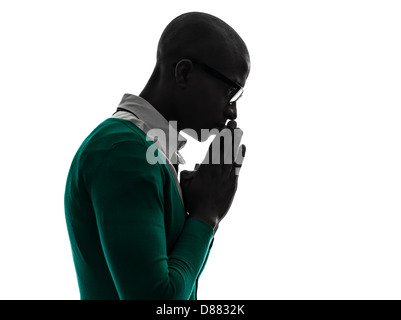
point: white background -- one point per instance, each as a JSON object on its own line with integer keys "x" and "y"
{"x": 317, "y": 213}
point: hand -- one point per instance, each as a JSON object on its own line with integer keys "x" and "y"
{"x": 209, "y": 190}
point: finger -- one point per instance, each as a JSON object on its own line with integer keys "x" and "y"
{"x": 224, "y": 146}
{"x": 232, "y": 139}
{"x": 186, "y": 175}
{"x": 226, "y": 150}
{"x": 239, "y": 160}
{"x": 208, "y": 157}
{"x": 237, "y": 136}
{"x": 197, "y": 166}
{"x": 216, "y": 149}
{"x": 232, "y": 124}
{"x": 223, "y": 158}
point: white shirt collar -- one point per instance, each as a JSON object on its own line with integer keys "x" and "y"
{"x": 150, "y": 121}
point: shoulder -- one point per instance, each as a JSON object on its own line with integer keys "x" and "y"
{"x": 118, "y": 146}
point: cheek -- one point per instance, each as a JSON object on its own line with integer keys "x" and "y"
{"x": 215, "y": 104}
{"x": 208, "y": 104}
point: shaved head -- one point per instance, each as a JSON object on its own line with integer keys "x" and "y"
{"x": 202, "y": 63}
{"x": 206, "y": 38}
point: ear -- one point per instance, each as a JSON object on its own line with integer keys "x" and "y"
{"x": 182, "y": 72}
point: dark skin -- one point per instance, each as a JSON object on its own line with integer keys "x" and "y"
{"x": 197, "y": 100}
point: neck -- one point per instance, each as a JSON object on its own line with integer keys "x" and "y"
{"x": 158, "y": 95}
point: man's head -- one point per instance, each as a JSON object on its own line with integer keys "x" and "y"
{"x": 201, "y": 64}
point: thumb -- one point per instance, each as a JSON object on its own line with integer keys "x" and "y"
{"x": 186, "y": 175}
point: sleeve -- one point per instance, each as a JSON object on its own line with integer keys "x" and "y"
{"x": 128, "y": 200}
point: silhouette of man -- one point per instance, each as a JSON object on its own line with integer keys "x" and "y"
{"x": 135, "y": 231}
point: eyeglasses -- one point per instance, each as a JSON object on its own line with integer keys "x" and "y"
{"x": 239, "y": 89}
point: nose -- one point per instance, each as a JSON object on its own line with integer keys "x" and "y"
{"x": 230, "y": 112}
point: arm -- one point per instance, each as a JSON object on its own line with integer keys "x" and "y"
{"x": 128, "y": 200}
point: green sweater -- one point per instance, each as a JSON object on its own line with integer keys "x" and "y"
{"x": 130, "y": 235}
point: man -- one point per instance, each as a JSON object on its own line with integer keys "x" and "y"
{"x": 135, "y": 232}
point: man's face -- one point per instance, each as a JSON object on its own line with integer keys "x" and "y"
{"x": 208, "y": 95}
